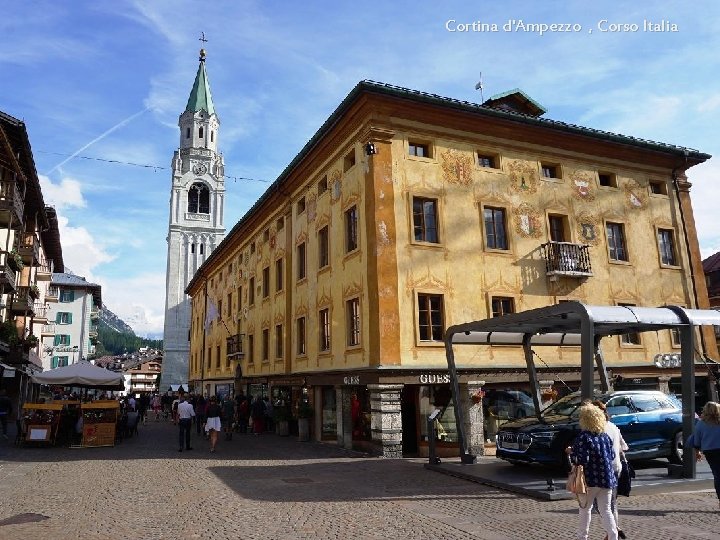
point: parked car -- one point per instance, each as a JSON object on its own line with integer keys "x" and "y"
{"x": 509, "y": 404}
{"x": 649, "y": 420}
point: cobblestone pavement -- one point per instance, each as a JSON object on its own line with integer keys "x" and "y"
{"x": 270, "y": 487}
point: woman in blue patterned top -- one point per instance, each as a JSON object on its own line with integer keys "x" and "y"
{"x": 593, "y": 450}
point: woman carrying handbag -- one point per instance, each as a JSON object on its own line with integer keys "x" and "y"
{"x": 593, "y": 450}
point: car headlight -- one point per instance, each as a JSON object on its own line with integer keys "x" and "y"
{"x": 545, "y": 437}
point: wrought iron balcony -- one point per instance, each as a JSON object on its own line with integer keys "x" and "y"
{"x": 12, "y": 204}
{"x": 566, "y": 259}
{"x": 234, "y": 347}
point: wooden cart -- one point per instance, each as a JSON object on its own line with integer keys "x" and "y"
{"x": 99, "y": 422}
{"x": 40, "y": 422}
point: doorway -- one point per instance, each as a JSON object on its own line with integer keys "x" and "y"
{"x": 409, "y": 421}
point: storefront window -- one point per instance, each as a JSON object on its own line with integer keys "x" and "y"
{"x": 501, "y": 405}
{"x": 433, "y": 398}
{"x": 222, "y": 390}
{"x": 329, "y": 413}
{"x": 360, "y": 413}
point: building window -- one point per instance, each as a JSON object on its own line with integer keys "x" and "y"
{"x": 187, "y": 133}
{"x": 217, "y": 357}
{"x": 349, "y": 161}
{"x": 66, "y": 295}
{"x": 353, "y": 322}
{"x": 425, "y": 222}
{"x": 201, "y": 133}
{"x": 631, "y": 338}
{"x": 266, "y": 282}
{"x": 252, "y": 248}
{"x": 229, "y": 306}
{"x": 63, "y": 317}
{"x": 202, "y": 249}
{"x": 324, "y": 322}
{"x": 322, "y": 186}
{"x": 301, "y": 266}
{"x": 251, "y": 349}
{"x": 323, "y": 247}
{"x": 430, "y": 317}
{"x": 351, "y": 229}
{"x": 658, "y": 187}
{"x": 199, "y": 199}
{"x": 502, "y": 305}
{"x": 219, "y": 308}
{"x": 61, "y": 339}
{"x": 280, "y": 224}
{"x": 212, "y": 136}
{"x": 616, "y": 242}
{"x": 300, "y": 336}
{"x": 495, "y": 231}
{"x": 418, "y": 149}
{"x": 666, "y": 244}
{"x": 487, "y": 161}
{"x": 192, "y": 248}
{"x": 266, "y": 235}
{"x": 279, "y": 275}
{"x": 607, "y": 179}
{"x": 251, "y": 291}
{"x": 550, "y": 171}
{"x": 278, "y": 341}
{"x": 558, "y": 227}
{"x": 59, "y": 361}
{"x": 265, "y": 344}
{"x": 300, "y": 206}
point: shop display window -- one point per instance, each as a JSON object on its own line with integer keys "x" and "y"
{"x": 438, "y": 397}
{"x": 329, "y": 413}
{"x": 501, "y": 405}
{"x": 360, "y": 414}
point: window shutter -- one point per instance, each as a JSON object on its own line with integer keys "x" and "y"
{"x": 58, "y": 318}
{"x": 55, "y": 361}
{"x": 71, "y": 295}
{"x": 56, "y": 341}
{"x": 69, "y": 318}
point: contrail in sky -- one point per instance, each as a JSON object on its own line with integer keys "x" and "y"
{"x": 96, "y": 139}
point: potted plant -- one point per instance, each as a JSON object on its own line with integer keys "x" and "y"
{"x": 9, "y": 333}
{"x": 34, "y": 291}
{"x": 14, "y": 261}
{"x": 304, "y": 413}
{"x": 281, "y": 416}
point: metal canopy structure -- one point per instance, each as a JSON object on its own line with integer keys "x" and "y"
{"x": 578, "y": 324}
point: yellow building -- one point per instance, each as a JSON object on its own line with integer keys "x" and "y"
{"x": 409, "y": 212}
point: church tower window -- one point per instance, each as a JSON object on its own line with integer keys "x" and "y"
{"x": 187, "y": 133}
{"x": 200, "y": 134}
{"x": 199, "y": 199}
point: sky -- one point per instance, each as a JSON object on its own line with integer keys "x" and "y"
{"x": 100, "y": 85}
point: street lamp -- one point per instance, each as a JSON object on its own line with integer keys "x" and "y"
{"x": 74, "y": 350}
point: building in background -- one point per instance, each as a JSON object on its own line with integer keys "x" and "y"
{"x": 409, "y": 212}
{"x": 711, "y": 268}
{"x": 196, "y": 219}
{"x": 29, "y": 252}
{"x": 75, "y": 314}
{"x": 143, "y": 378}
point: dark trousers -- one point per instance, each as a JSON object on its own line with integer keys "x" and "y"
{"x": 3, "y": 423}
{"x": 713, "y": 459}
{"x": 185, "y": 426}
{"x": 199, "y": 421}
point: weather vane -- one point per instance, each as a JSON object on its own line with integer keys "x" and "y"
{"x": 202, "y": 51}
{"x": 202, "y": 38}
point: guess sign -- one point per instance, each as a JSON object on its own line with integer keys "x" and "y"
{"x": 431, "y": 378}
{"x": 351, "y": 379}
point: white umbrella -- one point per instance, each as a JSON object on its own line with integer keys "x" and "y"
{"x": 83, "y": 375}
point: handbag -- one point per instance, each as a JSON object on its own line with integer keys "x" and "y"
{"x": 624, "y": 480}
{"x": 576, "y": 484}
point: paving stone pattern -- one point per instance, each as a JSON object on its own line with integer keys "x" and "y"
{"x": 271, "y": 487}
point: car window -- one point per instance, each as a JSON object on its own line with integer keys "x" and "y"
{"x": 667, "y": 402}
{"x": 646, "y": 403}
{"x": 565, "y": 406}
{"x": 619, "y": 405}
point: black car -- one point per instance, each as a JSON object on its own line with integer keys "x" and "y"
{"x": 650, "y": 422}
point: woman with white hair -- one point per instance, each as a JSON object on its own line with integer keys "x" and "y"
{"x": 706, "y": 440}
{"x": 593, "y": 449}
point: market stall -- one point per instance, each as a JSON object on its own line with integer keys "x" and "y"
{"x": 40, "y": 422}
{"x": 99, "y": 423}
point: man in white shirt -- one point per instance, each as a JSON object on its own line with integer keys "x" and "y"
{"x": 185, "y": 413}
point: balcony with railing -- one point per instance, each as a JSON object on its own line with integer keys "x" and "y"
{"x": 41, "y": 311}
{"x": 12, "y": 204}
{"x": 45, "y": 270}
{"x": 52, "y": 294}
{"x": 28, "y": 246}
{"x": 94, "y": 313}
{"x": 234, "y": 347}
{"x": 48, "y": 329}
{"x": 566, "y": 259}
{"x": 7, "y": 273}
{"x": 22, "y": 302}
{"x": 93, "y": 333}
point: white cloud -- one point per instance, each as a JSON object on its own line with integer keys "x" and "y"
{"x": 81, "y": 253}
{"x": 66, "y": 194}
{"x": 710, "y": 104}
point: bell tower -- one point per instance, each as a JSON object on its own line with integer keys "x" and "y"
{"x": 196, "y": 219}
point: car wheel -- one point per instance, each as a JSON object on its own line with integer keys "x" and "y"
{"x": 676, "y": 452}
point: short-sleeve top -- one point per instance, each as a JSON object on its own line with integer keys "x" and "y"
{"x": 595, "y": 453}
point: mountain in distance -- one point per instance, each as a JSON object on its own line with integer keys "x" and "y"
{"x": 115, "y": 336}
{"x": 113, "y": 322}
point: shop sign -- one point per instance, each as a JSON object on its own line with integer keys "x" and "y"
{"x": 351, "y": 380}
{"x": 435, "y": 378}
{"x": 296, "y": 381}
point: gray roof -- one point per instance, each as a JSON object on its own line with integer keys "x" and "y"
{"x": 71, "y": 280}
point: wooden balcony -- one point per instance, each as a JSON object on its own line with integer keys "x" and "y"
{"x": 28, "y": 246}
{"x": 23, "y": 303}
{"x": 566, "y": 259}
{"x": 7, "y": 277}
{"x": 12, "y": 204}
{"x": 45, "y": 270}
{"x": 234, "y": 347}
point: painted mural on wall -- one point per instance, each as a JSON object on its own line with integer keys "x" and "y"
{"x": 457, "y": 167}
{"x": 581, "y": 183}
{"x": 588, "y": 227}
{"x": 527, "y": 221}
{"x": 635, "y": 195}
{"x": 335, "y": 185}
{"x": 524, "y": 176}
{"x": 311, "y": 208}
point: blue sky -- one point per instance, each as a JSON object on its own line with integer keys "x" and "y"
{"x": 108, "y": 79}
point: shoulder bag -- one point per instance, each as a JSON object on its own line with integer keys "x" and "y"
{"x": 576, "y": 484}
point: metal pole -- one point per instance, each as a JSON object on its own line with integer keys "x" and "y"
{"x": 465, "y": 455}
{"x": 535, "y": 387}
{"x": 587, "y": 357}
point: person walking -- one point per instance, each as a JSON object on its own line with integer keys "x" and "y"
{"x": 619, "y": 447}
{"x": 706, "y": 441}
{"x": 157, "y": 406}
{"x": 212, "y": 422}
{"x": 243, "y": 412}
{"x": 185, "y": 413}
{"x": 593, "y": 449}
{"x": 269, "y": 414}
{"x": 200, "y": 406}
{"x": 5, "y": 411}
{"x": 228, "y": 416}
{"x": 257, "y": 413}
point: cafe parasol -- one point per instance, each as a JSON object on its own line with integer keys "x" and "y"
{"x": 81, "y": 375}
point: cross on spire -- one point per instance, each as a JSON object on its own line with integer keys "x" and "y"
{"x": 202, "y": 37}
{"x": 202, "y": 51}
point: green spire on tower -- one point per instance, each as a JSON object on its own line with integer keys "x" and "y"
{"x": 200, "y": 97}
